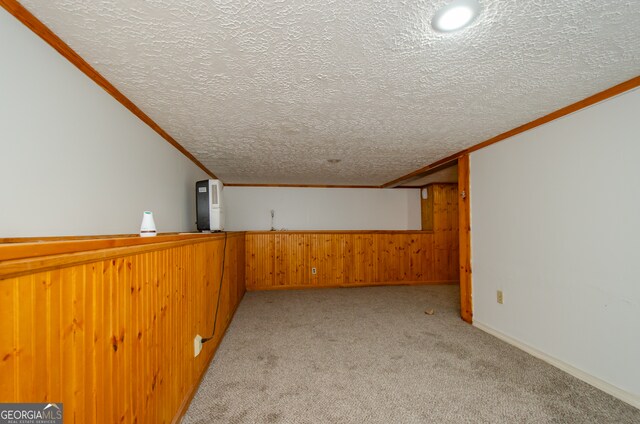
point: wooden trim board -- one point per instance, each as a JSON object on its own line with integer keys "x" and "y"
{"x": 464, "y": 228}
{"x": 56, "y": 256}
{"x": 341, "y": 232}
{"x": 63, "y": 238}
{"x": 37, "y": 248}
{"x": 630, "y": 398}
{"x": 574, "y": 107}
{"x": 42, "y": 31}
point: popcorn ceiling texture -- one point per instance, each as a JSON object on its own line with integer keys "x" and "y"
{"x": 266, "y": 91}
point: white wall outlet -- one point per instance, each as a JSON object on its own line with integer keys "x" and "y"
{"x": 314, "y": 271}
{"x": 499, "y": 297}
{"x": 197, "y": 345}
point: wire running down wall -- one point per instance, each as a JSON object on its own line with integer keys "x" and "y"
{"x": 112, "y": 339}
{"x": 106, "y": 326}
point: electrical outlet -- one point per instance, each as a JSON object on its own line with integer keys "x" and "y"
{"x": 197, "y": 345}
{"x": 499, "y": 297}
{"x": 314, "y": 271}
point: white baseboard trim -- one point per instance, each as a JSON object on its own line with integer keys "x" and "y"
{"x": 623, "y": 395}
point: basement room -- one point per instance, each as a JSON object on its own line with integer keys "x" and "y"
{"x": 299, "y": 211}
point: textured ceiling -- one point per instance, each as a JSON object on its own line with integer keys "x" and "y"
{"x": 266, "y": 91}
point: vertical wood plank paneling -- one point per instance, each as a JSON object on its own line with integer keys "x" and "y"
{"x": 250, "y": 261}
{"x": 240, "y": 268}
{"x": 25, "y": 342}
{"x": 78, "y": 335}
{"x": 133, "y": 342}
{"x": 426, "y": 208}
{"x": 9, "y": 320}
{"x": 121, "y": 336}
{"x": 113, "y": 339}
{"x": 279, "y": 264}
{"x": 358, "y": 264}
{"x": 373, "y": 260}
{"x": 445, "y": 228}
{"x": 109, "y": 305}
{"x": 145, "y": 337}
{"x": 314, "y": 260}
{"x": 40, "y": 338}
{"x": 345, "y": 259}
{"x": 98, "y": 335}
{"x": 87, "y": 374}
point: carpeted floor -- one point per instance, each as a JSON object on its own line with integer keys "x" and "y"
{"x": 371, "y": 355}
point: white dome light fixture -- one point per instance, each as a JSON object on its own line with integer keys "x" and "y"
{"x": 456, "y": 15}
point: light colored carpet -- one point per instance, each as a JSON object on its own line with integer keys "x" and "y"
{"x": 372, "y": 355}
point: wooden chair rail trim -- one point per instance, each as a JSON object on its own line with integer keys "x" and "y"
{"x": 574, "y": 107}
{"x": 93, "y": 324}
{"x": 18, "y": 267}
{"x": 67, "y": 238}
{"x": 341, "y": 232}
{"x": 41, "y": 240}
{"x": 41, "y": 30}
{"x": 22, "y": 258}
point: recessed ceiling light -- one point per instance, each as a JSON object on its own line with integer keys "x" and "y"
{"x": 456, "y": 15}
{"x": 334, "y": 160}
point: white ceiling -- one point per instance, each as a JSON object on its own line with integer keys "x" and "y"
{"x": 266, "y": 91}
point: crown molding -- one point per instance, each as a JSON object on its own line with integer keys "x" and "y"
{"x": 42, "y": 31}
{"x": 574, "y": 107}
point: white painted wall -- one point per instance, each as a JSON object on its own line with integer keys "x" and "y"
{"x": 248, "y": 208}
{"x": 556, "y": 225}
{"x": 74, "y": 161}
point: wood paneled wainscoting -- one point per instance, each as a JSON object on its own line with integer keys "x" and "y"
{"x": 286, "y": 259}
{"x": 109, "y": 332}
